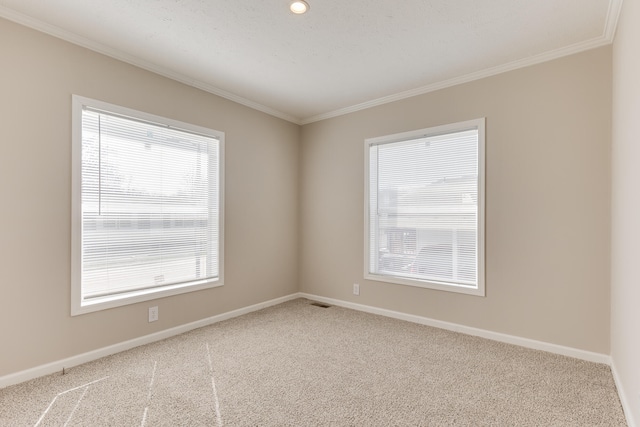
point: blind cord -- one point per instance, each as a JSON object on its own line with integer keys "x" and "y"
{"x": 99, "y": 165}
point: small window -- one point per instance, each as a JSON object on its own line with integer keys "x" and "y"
{"x": 147, "y": 206}
{"x": 424, "y": 201}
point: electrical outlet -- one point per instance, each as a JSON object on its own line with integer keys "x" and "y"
{"x": 356, "y": 289}
{"x": 153, "y": 314}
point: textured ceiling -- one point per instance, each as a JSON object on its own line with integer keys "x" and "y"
{"x": 339, "y": 57}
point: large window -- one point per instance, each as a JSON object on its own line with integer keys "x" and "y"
{"x": 424, "y": 200}
{"x": 147, "y": 206}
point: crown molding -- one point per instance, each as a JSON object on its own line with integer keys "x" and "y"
{"x": 613, "y": 15}
{"x": 73, "y": 38}
{"x": 607, "y": 37}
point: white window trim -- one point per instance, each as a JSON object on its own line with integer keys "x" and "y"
{"x": 77, "y": 305}
{"x": 478, "y": 290}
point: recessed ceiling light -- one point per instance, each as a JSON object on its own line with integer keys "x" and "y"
{"x": 299, "y": 7}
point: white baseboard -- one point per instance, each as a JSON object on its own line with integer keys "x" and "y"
{"x": 496, "y": 336}
{"x": 624, "y": 398}
{"x": 79, "y": 359}
{"x": 57, "y": 366}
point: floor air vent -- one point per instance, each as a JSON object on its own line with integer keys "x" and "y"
{"x": 321, "y": 305}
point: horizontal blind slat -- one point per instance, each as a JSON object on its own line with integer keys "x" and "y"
{"x": 423, "y": 207}
{"x": 149, "y": 205}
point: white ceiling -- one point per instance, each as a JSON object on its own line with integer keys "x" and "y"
{"x": 339, "y": 57}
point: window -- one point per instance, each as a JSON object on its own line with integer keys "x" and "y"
{"x": 147, "y": 206}
{"x": 424, "y": 204}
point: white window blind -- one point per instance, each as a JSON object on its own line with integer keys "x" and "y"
{"x": 150, "y": 206}
{"x": 424, "y": 207}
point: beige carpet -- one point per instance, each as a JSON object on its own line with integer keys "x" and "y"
{"x": 301, "y": 365}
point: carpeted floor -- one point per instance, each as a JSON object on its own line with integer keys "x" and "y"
{"x": 297, "y": 364}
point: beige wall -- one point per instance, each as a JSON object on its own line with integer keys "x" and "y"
{"x": 625, "y": 234}
{"x": 38, "y": 74}
{"x": 547, "y": 202}
{"x": 294, "y": 200}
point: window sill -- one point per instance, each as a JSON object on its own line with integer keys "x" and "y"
{"x": 440, "y": 286}
{"x": 112, "y": 301}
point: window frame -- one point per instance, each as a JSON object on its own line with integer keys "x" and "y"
{"x": 479, "y": 289}
{"x": 80, "y": 306}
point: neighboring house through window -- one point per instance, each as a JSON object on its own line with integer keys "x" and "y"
{"x": 424, "y": 222}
